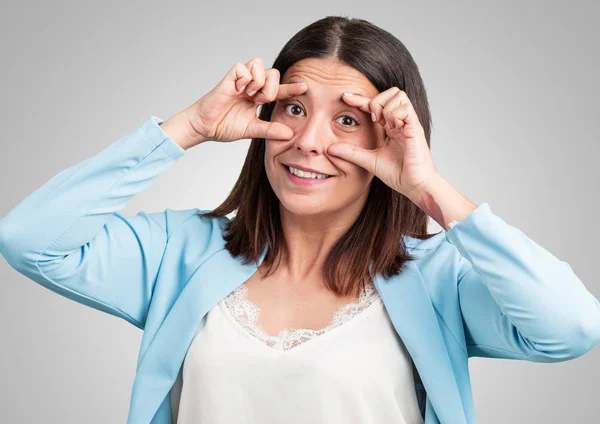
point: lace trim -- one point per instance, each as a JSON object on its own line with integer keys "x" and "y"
{"x": 246, "y": 313}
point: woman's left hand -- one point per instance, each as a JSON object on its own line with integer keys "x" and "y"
{"x": 403, "y": 161}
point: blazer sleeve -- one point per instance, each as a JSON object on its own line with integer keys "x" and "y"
{"x": 517, "y": 300}
{"x": 69, "y": 237}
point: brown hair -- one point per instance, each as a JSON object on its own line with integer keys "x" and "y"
{"x": 374, "y": 244}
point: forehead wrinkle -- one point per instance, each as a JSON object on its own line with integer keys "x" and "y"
{"x": 339, "y": 99}
{"x": 352, "y": 86}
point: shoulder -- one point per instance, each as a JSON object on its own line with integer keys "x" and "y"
{"x": 439, "y": 263}
{"x": 441, "y": 259}
{"x": 436, "y": 247}
{"x": 189, "y": 229}
{"x": 445, "y": 251}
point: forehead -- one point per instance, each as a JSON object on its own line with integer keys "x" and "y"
{"x": 329, "y": 74}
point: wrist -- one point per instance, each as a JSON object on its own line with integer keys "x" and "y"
{"x": 178, "y": 128}
{"x": 429, "y": 185}
{"x": 442, "y": 202}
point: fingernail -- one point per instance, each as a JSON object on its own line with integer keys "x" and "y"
{"x": 251, "y": 93}
{"x": 241, "y": 88}
{"x": 302, "y": 83}
{"x": 373, "y": 116}
{"x": 348, "y": 94}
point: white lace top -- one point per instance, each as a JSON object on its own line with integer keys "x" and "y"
{"x": 356, "y": 369}
{"x": 246, "y": 313}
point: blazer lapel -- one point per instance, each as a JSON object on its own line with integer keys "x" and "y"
{"x": 163, "y": 359}
{"x": 409, "y": 307}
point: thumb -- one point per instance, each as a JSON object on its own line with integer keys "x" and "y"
{"x": 258, "y": 128}
{"x": 357, "y": 155}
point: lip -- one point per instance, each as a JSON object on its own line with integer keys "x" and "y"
{"x": 303, "y": 181}
{"x": 304, "y": 168}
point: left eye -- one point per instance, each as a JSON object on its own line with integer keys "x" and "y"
{"x": 343, "y": 116}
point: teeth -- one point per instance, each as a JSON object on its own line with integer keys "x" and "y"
{"x": 304, "y": 174}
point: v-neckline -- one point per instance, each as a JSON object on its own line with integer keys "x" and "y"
{"x": 302, "y": 346}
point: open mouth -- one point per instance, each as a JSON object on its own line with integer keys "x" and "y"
{"x": 287, "y": 169}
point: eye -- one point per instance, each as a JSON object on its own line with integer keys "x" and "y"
{"x": 343, "y": 116}
{"x": 291, "y": 104}
{"x": 346, "y": 116}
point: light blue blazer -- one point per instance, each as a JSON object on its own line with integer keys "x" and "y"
{"x": 482, "y": 288}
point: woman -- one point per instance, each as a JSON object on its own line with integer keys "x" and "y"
{"x": 324, "y": 299}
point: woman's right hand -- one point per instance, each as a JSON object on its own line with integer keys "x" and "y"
{"x": 228, "y": 112}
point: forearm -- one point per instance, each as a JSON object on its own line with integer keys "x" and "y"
{"x": 73, "y": 206}
{"x": 441, "y": 201}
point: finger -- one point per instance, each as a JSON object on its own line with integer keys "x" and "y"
{"x": 257, "y": 128}
{"x": 353, "y": 99}
{"x": 405, "y": 113}
{"x": 289, "y": 90}
{"x": 378, "y": 103}
{"x": 269, "y": 90}
{"x": 391, "y": 105}
{"x": 373, "y": 105}
{"x": 354, "y": 154}
{"x": 257, "y": 70}
{"x": 400, "y": 115}
{"x": 239, "y": 75}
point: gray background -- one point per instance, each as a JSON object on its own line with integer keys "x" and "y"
{"x": 514, "y": 94}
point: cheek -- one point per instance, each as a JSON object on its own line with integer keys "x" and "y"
{"x": 353, "y": 177}
{"x": 360, "y": 176}
{"x": 276, "y": 114}
{"x": 273, "y": 149}
{"x": 268, "y": 161}
{"x": 293, "y": 122}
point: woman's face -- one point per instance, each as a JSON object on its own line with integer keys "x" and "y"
{"x": 320, "y": 117}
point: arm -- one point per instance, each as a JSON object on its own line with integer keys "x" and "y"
{"x": 517, "y": 300}
{"x": 69, "y": 237}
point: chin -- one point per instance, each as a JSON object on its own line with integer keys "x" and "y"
{"x": 301, "y": 205}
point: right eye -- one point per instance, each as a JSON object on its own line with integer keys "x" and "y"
{"x": 292, "y": 104}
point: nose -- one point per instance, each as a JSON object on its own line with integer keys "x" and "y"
{"x": 311, "y": 136}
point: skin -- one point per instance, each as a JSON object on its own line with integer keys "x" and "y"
{"x": 314, "y": 217}
{"x": 335, "y": 134}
